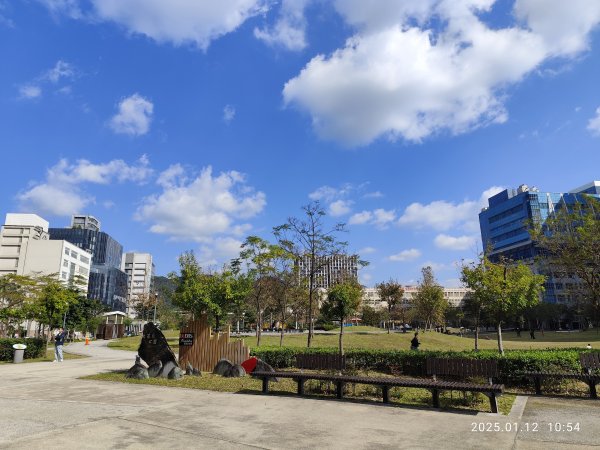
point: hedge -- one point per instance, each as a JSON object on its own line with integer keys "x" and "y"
{"x": 35, "y": 348}
{"x": 413, "y": 363}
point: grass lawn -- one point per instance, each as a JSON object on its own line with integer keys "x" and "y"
{"x": 401, "y": 341}
{"x": 398, "y": 396}
{"x": 49, "y": 357}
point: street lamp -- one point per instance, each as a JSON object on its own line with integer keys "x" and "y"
{"x": 155, "y": 302}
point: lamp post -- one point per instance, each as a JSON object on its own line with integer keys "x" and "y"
{"x": 155, "y": 302}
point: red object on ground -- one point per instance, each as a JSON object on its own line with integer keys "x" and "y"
{"x": 250, "y": 364}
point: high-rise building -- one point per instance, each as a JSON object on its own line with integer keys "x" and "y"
{"x": 330, "y": 269}
{"x": 140, "y": 272}
{"x": 505, "y": 225}
{"x": 454, "y": 295}
{"x": 108, "y": 283}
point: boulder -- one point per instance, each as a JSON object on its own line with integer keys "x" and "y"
{"x": 235, "y": 371}
{"x": 154, "y": 369}
{"x": 262, "y": 366}
{"x": 222, "y": 367}
{"x": 189, "y": 370}
{"x": 196, "y": 372}
{"x": 167, "y": 368}
{"x": 137, "y": 372}
{"x": 175, "y": 374}
{"x": 154, "y": 346}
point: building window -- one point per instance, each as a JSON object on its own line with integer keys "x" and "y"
{"x": 84, "y": 259}
{"x": 65, "y": 263}
{"x": 74, "y": 254}
{"x": 67, "y": 252}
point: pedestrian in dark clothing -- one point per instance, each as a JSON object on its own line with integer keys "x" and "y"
{"x": 532, "y": 333}
{"x": 414, "y": 343}
{"x": 59, "y": 341}
{"x": 518, "y": 332}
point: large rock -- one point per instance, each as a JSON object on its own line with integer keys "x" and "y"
{"x": 137, "y": 372}
{"x": 154, "y": 369}
{"x": 167, "y": 368}
{"x": 262, "y": 366}
{"x": 154, "y": 346}
{"x": 189, "y": 369}
{"x": 175, "y": 374}
{"x": 235, "y": 371}
{"x": 222, "y": 367}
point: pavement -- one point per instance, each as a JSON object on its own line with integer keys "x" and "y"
{"x": 46, "y": 405}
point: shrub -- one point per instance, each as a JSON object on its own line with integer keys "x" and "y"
{"x": 35, "y": 348}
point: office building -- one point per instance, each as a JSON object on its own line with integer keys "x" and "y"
{"x": 505, "y": 225}
{"x": 107, "y": 283}
{"x": 454, "y": 295}
{"x": 140, "y": 272}
{"x": 330, "y": 269}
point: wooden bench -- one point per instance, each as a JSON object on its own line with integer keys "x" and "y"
{"x": 590, "y": 362}
{"x": 435, "y": 386}
{"x": 325, "y": 361}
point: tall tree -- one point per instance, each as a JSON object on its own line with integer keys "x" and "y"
{"x": 429, "y": 302}
{"x": 569, "y": 243}
{"x": 391, "y": 293}
{"x": 308, "y": 237}
{"x": 16, "y": 293}
{"x": 504, "y": 289}
{"x": 343, "y": 300}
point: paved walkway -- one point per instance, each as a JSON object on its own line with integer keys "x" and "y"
{"x": 45, "y": 405}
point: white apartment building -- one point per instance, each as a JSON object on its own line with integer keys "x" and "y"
{"x": 140, "y": 271}
{"x": 330, "y": 269}
{"x": 454, "y": 295}
{"x": 25, "y": 249}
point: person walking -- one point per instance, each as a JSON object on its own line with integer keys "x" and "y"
{"x": 414, "y": 343}
{"x": 59, "y": 341}
{"x": 532, "y": 333}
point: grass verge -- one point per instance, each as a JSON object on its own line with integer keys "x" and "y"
{"x": 398, "y": 396}
{"x": 48, "y": 358}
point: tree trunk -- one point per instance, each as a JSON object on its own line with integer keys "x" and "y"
{"x": 477, "y": 332}
{"x": 47, "y": 339}
{"x": 281, "y": 335}
{"x": 389, "y": 319}
{"x": 500, "y": 345}
{"x": 342, "y": 337}
{"x": 310, "y": 322}
{"x": 258, "y": 329}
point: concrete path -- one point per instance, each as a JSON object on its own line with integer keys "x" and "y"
{"x": 45, "y": 405}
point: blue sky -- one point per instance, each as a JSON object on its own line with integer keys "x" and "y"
{"x": 191, "y": 124}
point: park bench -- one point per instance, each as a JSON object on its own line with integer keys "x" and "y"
{"x": 326, "y": 361}
{"x": 590, "y": 362}
{"x": 433, "y": 385}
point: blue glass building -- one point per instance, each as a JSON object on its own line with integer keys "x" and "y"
{"x": 506, "y": 221}
{"x": 107, "y": 283}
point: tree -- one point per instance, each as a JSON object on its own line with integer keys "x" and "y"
{"x": 371, "y": 316}
{"x": 429, "y": 302}
{"x": 391, "y": 293}
{"x": 309, "y": 238}
{"x": 83, "y": 315}
{"x": 569, "y": 244}
{"x": 343, "y": 300}
{"x": 503, "y": 290}
{"x": 16, "y": 292}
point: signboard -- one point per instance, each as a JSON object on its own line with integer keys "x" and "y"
{"x": 186, "y": 339}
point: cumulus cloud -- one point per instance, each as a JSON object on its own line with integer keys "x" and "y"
{"x": 340, "y": 208}
{"x": 228, "y": 113}
{"x": 289, "y": 29}
{"x": 406, "y": 255}
{"x": 402, "y": 76}
{"x": 61, "y": 71}
{"x": 443, "y": 215}
{"x": 218, "y": 252}
{"x": 594, "y": 124}
{"x": 201, "y": 208}
{"x": 447, "y": 242}
{"x": 133, "y": 117}
{"x": 30, "y": 91}
{"x": 177, "y": 22}
{"x": 380, "y": 218}
{"x": 61, "y": 194}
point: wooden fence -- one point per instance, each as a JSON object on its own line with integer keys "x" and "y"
{"x": 207, "y": 348}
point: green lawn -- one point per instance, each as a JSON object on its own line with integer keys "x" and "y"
{"x": 398, "y": 396}
{"x": 399, "y": 341}
{"x": 49, "y": 357}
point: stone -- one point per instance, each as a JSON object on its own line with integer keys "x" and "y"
{"x": 175, "y": 374}
{"x": 166, "y": 369}
{"x": 154, "y": 346}
{"x": 235, "y": 371}
{"x": 196, "y": 372}
{"x": 262, "y": 366}
{"x": 154, "y": 369}
{"x": 189, "y": 370}
{"x": 222, "y": 367}
{"x": 137, "y": 372}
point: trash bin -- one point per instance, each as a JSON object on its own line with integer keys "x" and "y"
{"x": 19, "y": 351}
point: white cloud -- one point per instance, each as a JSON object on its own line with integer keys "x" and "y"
{"x": 442, "y": 215}
{"x": 228, "y": 113}
{"x": 176, "y": 21}
{"x": 380, "y": 218}
{"x": 375, "y": 194}
{"x": 30, "y": 91}
{"x": 329, "y": 194}
{"x": 220, "y": 251}
{"x": 134, "y": 116}
{"x": 436, "y": 267}
{"x": 340, "y": 208}
{"x": 61, "y": 193}
{"x": 367, "y": 250}
{"x": 400, "y": 76}
{"x": 455, "y": 243}
{"x": 289, "y": 29}
{"x": 61, "y": 69}
{"x": 594, "y": 124}
{"x": 201, "y": 208}
{"x": 406, "y": 255}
